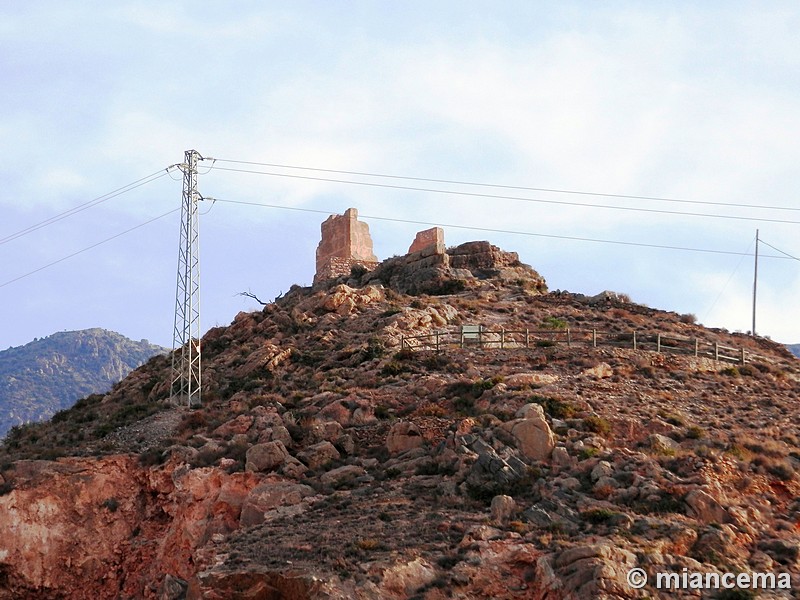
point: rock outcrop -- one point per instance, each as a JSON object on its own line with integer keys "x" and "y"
{"x": 434, "y": 270}
{"x": 328, "y": 460}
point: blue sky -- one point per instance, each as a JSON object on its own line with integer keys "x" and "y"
{"x": 671, "y": 100}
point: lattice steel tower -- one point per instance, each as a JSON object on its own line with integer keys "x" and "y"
{"x": 186, "y": 381}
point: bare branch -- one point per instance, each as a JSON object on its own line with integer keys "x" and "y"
{"x": 250, "y": 294}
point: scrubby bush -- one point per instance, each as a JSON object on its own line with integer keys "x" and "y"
{"x": 598, "y": 425}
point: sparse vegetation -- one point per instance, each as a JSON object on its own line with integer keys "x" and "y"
{"x": 304, "y": 371}
{"x": 597, "y": 424}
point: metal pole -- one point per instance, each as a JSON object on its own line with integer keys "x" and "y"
{"x": 186, "y": 371}
{"x": 755, "y": 285}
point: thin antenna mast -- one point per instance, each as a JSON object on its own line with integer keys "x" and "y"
{"x": 755, "y": 286}
{"x": 186, "y": 383}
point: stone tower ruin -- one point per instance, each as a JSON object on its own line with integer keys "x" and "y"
{"x": 345, "y": 243}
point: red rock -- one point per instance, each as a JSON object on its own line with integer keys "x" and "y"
{"x": 264, "y": 457}
{"x": 403, "y": 436}
{"x": 345, "y": 243}
{"x": 270, "y": 495}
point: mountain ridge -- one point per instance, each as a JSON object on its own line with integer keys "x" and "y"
{"x": 49, "y": 374}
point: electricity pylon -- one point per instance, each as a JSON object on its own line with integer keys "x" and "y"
{"x": 186, "y": 382}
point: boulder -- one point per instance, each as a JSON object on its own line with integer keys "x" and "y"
{"x": 319, "y": 454}
{"x": 561, "y": 457}
{"x": 281, "y": 434}
{"x": 405, "y": 579}
{"x": 531, "y": 410}
{"x": 661, "y": 443}
{"x": 264, "y": 457}
{"x": 705, "y": 508}
{"x": 534, "y": 439}
{"x": 601, "y": 371}
{"x": 238, "y": 425}
{"x": 293, "y": 468}
{"x": 342, "y": 475}
{"x": 602, "y": 469}
{"x": 532, "y": 434}
{"x": 594, "y": 571}
{"x": 172, "y": 588}
{"x": 503, "y": 507}
{"x": 523, "y": 380}
{"x": 491, "y": 473}
{"x": 326, "y": 431}
{"x": 271, "y": 495}
{"x": 403, "y": 436}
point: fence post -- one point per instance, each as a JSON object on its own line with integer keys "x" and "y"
{"x": 594, "y": 338}
{"x": 716, "y": 350}
{"x": 437, "y": 340}
{"x": 696, "y": 347}
{"x": 480, "y": 337}
{"x": 569, "y": 338}
{"x": 743, "y": 357}
{"x": 634, "y": 339}
{"x": 502, "y": 338}
{"x": 658, "y": 343}
{"x": 527, "y": 338}
{"x": 462, "y": 337}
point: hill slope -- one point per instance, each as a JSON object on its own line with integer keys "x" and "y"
{"x": 50, "y": 374}
{"x": 542, "y": 460}
{"x": 794, "y": 349}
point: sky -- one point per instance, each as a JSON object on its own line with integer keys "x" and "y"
{"x": 644, "y": 109}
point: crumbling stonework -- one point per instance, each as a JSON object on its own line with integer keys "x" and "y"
{"x": 434, "y": 270}
{"x": 425, "y": 239}
{"x": 345, "y": 243}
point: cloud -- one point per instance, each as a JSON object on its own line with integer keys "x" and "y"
{"x": 686, "y": 102}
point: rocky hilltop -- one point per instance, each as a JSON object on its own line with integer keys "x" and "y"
{"x": 50, "y": 374}
{"x": 553, "y": 442}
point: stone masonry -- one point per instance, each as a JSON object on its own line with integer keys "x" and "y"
{"x": 425, "y": 239}
{"x": 345, "y": 243}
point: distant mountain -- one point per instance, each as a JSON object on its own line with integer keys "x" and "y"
{"x": 794, "y": 349}
{"x": 50, "y": 374}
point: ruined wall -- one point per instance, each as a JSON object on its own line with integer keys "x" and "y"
{"x": 345, "y": 243}
{"x": 425, "y": 239}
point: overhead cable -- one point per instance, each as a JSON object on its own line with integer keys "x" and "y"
{"x": 501, "y": 197}
{"x": 511, "y": 187}
{"x": 493, "y": 230}
{"x": 86, "y": 205}
{"x": 100, "y": 243}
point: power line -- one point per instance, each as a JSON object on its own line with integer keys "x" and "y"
{"x": 100, "y": 243}
{"x": 510, "y": 187}
{"x": 779, "y": 250}
{"x": 86, "y": 205}
{"x": 517, "y": 198}
{"x": 493, "y": 230}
